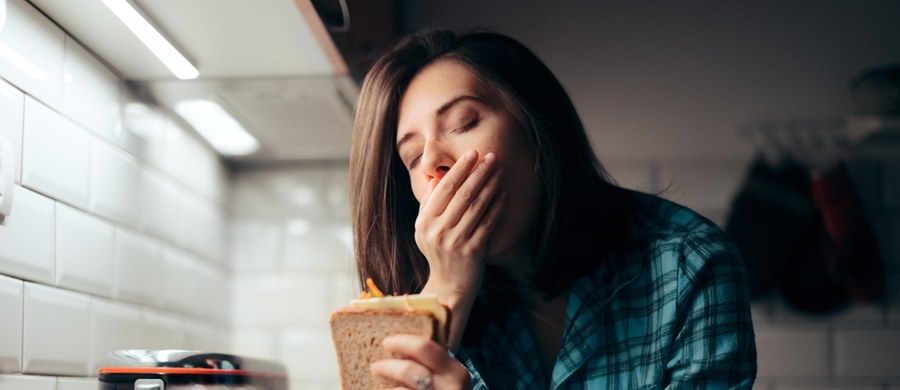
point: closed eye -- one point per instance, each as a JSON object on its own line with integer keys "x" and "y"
{"x": 469, "y": 124}
{"x": 414, "y": 162}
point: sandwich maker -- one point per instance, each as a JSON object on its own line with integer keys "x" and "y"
{"x": 140, "y": 369}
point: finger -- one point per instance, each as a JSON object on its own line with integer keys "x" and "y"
{"x": 485, "y": 227}
{"x": 431, "y": 184}
{"x": 423, "y": 350}
{"x": 448, "y": 184}
{"x": 402, "y": 372}
{"x": 474, "y": 214}
{"x": 470, "y": 190}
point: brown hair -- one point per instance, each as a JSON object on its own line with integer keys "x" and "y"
{"x": 582, "y": 216}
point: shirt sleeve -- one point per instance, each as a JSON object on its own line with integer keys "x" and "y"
{"x": 477, "y": 381}
{"x": 715, "y": 346}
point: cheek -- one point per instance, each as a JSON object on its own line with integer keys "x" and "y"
{"x": 417, "y": 191}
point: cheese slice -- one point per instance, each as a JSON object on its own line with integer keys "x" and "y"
{"x": 427, "y": 302}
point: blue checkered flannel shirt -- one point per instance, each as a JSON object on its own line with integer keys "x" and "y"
{"x": 673, "y": 315}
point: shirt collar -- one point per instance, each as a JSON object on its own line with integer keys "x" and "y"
{"x": 584, "y": 313}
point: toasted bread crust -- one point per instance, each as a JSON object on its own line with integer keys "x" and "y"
{"x": 358, "y": 335}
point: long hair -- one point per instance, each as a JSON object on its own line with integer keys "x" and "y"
{"x": 582, "y": 214}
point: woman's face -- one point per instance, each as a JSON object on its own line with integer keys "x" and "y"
{"x": 446, "y": 111}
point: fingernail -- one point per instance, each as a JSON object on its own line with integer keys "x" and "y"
{"x": 471, "y": 155}
{"x": 489, "y": 158}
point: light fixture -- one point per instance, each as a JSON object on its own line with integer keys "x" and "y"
{"x": 217, "y": 126}
{"x": 161, "y": 48}
{"x": 23, "y": 64}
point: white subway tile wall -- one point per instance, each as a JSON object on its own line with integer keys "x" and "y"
{"x": 90, "y": 93}
{"x": 56, "y": 155}
{"x": 291, "y": 251}
{"x": 867, "y": 353}
{"x": 312, "y": 369}
{"x": 27, "y": 382}
{"x": 139, "y": 276}
{"x": 206, "y": 223}
{"x": 84, "y": 252}
{"x": 259, "y": 241}
{"x": 33, "y": 52}
{"x": 162, "y": 211}
{"x": 830, "y": 385}
{"x": 205, "y": 335}
{"x": 56, "y": 330}
{"x": 260, "y": 341}
{"x": 28, "y": 238}
{"x": 319, "y": 249}
{"x": 95, "y": 255}
{"x": 12, "y": 102}
{"x": 192, "y": 285}
{"x": 160, "y": 329}
{"x": 793, "y": 353}
{"x": 181, "y": 156}
{"x": 11, "y": 301}
{"x": 283, "y": 299}
{"x": 115, "y": 185}
{"x": 77, "y": 384}
{"x": 114, "y": 325}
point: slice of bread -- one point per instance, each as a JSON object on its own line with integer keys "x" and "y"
{"x": 358, "y": 334}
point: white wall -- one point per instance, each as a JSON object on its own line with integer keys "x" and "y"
{"x": 117, "y": 226}
{"x": 293, "y": 265}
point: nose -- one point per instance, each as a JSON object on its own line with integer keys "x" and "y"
{"x": 436, "y": 160}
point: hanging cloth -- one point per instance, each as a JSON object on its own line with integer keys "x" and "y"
{"x": 776, "y": 225}
{"x": 859, "y": 259}
{"x": 811, "y": 280}
{"x": 761, "y": 224}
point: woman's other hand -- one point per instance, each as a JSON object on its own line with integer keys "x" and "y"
{"x": 457, "y": 216}
{"x": 426, "y": 365}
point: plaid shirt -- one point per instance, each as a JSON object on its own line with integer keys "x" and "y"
{"x": 674, "y": 315}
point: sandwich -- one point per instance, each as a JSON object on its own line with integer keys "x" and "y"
{"x": 358, "y": 331}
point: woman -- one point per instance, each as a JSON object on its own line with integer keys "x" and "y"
{"x": 473, "y": 178}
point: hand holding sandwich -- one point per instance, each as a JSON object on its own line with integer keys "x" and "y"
{"x": 428, "y": 365}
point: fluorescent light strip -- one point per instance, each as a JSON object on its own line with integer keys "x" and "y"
{"x": 21, "y": 62}
{"x": 219, "y": 128}
{"x": 151, "y": 38}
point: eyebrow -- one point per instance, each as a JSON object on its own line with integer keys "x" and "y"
{"x": 440, "y": 111}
